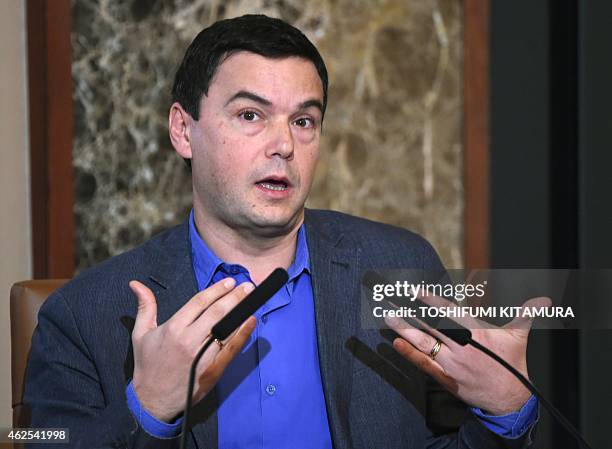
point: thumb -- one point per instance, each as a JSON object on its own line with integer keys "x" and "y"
{"x": 524, "y": 320}
{"x": 146, "y": 317}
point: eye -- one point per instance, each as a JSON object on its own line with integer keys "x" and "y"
{"x": 305, "y": 122}
{"x": 249, "y": 116}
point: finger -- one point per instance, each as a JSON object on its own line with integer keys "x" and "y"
{"x": 201, "y": 327}
{"x": 224, "y": 356}
{"x": 525, "y": 322}
{"x": 425, "y": 364}
{"x": 146, "y": 316}
{"x": 415, "y": 323}
{"x": 419, "y": 339}
{"x": 202, "y": 301}
{"x": 237, "y": 340}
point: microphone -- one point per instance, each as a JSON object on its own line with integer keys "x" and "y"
{"x": 463, "y": 336}
{"x": 247, "y": 307}
{"x": 228, "y": 324}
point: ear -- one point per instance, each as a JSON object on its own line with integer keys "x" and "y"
{"x": 178, "y": 127}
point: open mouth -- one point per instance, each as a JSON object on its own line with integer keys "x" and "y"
{"x": 275, "y": 184}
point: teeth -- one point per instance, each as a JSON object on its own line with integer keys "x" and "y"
{"x": 273, "y": 186}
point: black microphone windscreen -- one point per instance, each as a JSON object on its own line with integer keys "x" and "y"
{"x": 247, "y": 307}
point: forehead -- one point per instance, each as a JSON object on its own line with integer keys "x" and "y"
{"x": 246, "y": 70}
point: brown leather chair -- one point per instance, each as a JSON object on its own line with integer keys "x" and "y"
{"x": 26, "y": 299}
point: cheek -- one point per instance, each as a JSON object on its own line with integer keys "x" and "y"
{"x": 234, "y": 160}
{"x": 218, "y": 146}
{"x": 308, "y": 163}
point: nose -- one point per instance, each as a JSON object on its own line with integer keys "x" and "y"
{"x": 282, "y": 144}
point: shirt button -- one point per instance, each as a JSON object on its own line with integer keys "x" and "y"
{"x": 264, "y": 319}
{"x": 271, "y": 389}
{"x": 234, "y": 270}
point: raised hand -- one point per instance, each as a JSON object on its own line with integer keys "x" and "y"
{"x": 163, "y": 354}
{"x": 465, "y": 371}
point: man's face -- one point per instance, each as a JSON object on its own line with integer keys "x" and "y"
{"x": 256, "y": 143}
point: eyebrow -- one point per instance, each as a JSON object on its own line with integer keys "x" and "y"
{"x": 309, "y": 103}
{"x": 249, "y": 96}
{"x": 265, "y": 102}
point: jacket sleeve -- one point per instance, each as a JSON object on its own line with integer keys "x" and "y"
{"x": 454, "y": 427}
{"x": 63, "y": 389}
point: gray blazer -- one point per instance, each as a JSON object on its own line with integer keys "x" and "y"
{"x": 81, "y": 357}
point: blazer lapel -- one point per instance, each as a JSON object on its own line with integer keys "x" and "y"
{"x": 335, "y": 278}
{"x": 173, "y": 281}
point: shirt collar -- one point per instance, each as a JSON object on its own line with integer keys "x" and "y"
{"x": 206, "y": 263}
{"x": 302, "y": 259}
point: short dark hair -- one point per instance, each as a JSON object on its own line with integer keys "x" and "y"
{"x": 256, "y": 33}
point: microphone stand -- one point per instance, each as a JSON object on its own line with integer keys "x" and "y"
{"x": 192, "y": 373}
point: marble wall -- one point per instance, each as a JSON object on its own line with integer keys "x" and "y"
{"x": 391, "y": 148}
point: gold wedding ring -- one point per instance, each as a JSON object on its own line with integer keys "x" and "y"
{"x": 220, "y": 343}
{"x": 434, "y": 351}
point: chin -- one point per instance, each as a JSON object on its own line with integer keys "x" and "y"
{"x": 276, "y": 222}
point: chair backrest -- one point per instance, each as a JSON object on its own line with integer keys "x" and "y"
{"x": 26, "y": 299}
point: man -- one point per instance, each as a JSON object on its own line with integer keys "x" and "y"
{"x": 248, "y": 106}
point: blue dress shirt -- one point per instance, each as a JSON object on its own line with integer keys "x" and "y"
{"x": 272, "y": 390}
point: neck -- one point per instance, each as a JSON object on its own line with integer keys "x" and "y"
{"x": 260, "y": 255}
